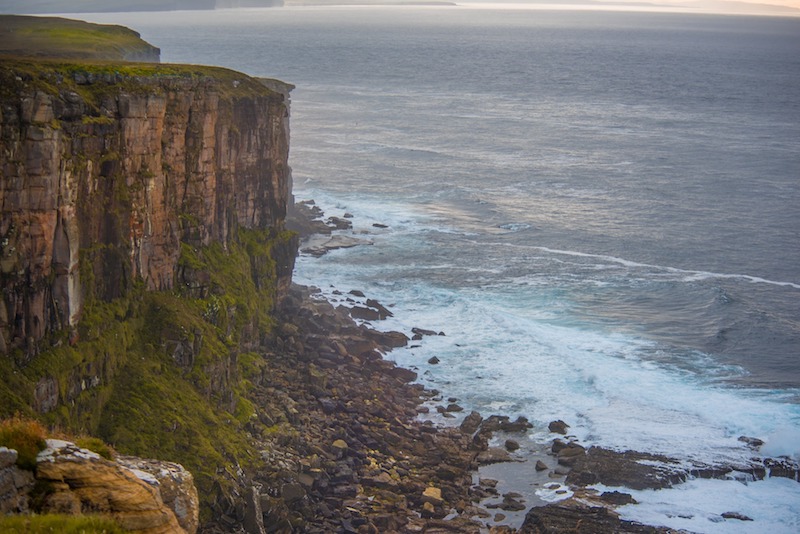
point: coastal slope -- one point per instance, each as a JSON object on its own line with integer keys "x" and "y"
{"x": 142, "y": 253}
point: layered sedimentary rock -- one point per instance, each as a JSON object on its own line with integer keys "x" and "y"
{"x": 141, "y": 495}
{"x": 105, "y": 171}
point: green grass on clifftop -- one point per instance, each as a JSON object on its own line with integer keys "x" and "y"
{"x": 93, "y": 80}
{"x": 54, "y": 37}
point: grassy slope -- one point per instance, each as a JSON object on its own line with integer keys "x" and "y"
{"x": 55, "y": 37}
{"x": 153, "y": 407}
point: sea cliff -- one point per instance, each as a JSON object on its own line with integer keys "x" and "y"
{"x": 142, "y": 253}
{"x": 145, "y": 270}
{"x": 107, "y": 171}
{"x": 147, "y": 300}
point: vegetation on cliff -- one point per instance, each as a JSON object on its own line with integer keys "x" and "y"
{"x": 26, "y": 436}
{"x": 54, "y": 37}
{"x": 170, "y": 367}
{"x": 157, "y": 192}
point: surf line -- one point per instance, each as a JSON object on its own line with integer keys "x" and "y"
{"x": 692, "y": 275}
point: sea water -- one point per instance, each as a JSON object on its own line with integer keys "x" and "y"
{"x": 601, "y": 211}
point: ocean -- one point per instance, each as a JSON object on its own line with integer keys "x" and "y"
{"x": 600, "y": 210}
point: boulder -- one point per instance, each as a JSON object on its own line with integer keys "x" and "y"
{"x": 388, "y": 340}
{"x": 631, "y": 469}
{"x": 383, "y": 313}
{"x": 422, "y": 332}
{"x": 737, "y": 516}
{"x": 339, "y": 223}
{"x": 493, "y": 455}
{"x": 362, "y": 312}
{"x": 494, "y": 423}
{"x": 753, "y": 443}
{"x": 339, "y": 448}
{"x": 558, "y": 427}
{"x": 292, "y": 492}
{"x": 617, "y": 498}
{"x": 432, "y": 495}
{"x": 405, "y": 375}
{"x": 82, "y": 479}
{"x": 580, "y": 519}
{"x": 471, "y": 423}
{"x": 512, "y": 503}
{"x": 570, "y": 454}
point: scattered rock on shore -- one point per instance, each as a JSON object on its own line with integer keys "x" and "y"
{"x": 346, "y": 453}
{"x": 558, "y": 427}
{"x": 581, "y": 519}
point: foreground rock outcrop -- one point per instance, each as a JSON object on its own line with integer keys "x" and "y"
{"x": 82, "y": 482}
{"x": 144, "y": 496}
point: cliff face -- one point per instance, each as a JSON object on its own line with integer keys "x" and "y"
{"x": 104, "y": 172}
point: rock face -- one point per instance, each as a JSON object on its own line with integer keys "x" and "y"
{"x": 105, "y": 172}
{"x": 175, "y": 484}
{"x": 583, "y": 520}
{"x": 80, "y": 481}
{"x": 15, "y": 483}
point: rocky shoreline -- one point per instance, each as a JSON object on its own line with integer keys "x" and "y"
{"x": 349, "y": 452}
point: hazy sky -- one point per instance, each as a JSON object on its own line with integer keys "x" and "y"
{"x": 763, "y": 7}
{"x": 767, "y": 7}
{"x": 775, "y": 7}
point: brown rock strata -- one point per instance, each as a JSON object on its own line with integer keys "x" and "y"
{"x": 81, "y": 482}
{"x": 105, "y": 172}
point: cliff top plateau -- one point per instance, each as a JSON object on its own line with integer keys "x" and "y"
{"x": 55, "y": 37}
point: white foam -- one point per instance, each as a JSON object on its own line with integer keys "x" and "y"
{"x": 783, "y": 442}
{"x": 517, "y": 352}
{"x": 597, "y": 382}
{"x": 690, "y": 275}
{"x": 697, "y": 506}
{"x": 554, "y": 493}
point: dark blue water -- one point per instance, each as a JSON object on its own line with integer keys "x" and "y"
{"x": 602, "y": 210}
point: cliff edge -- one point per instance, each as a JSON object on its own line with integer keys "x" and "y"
{"x": 142, "y": 253}
{"x": 55, "y": 37}
{"x": 106, "y": 170}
